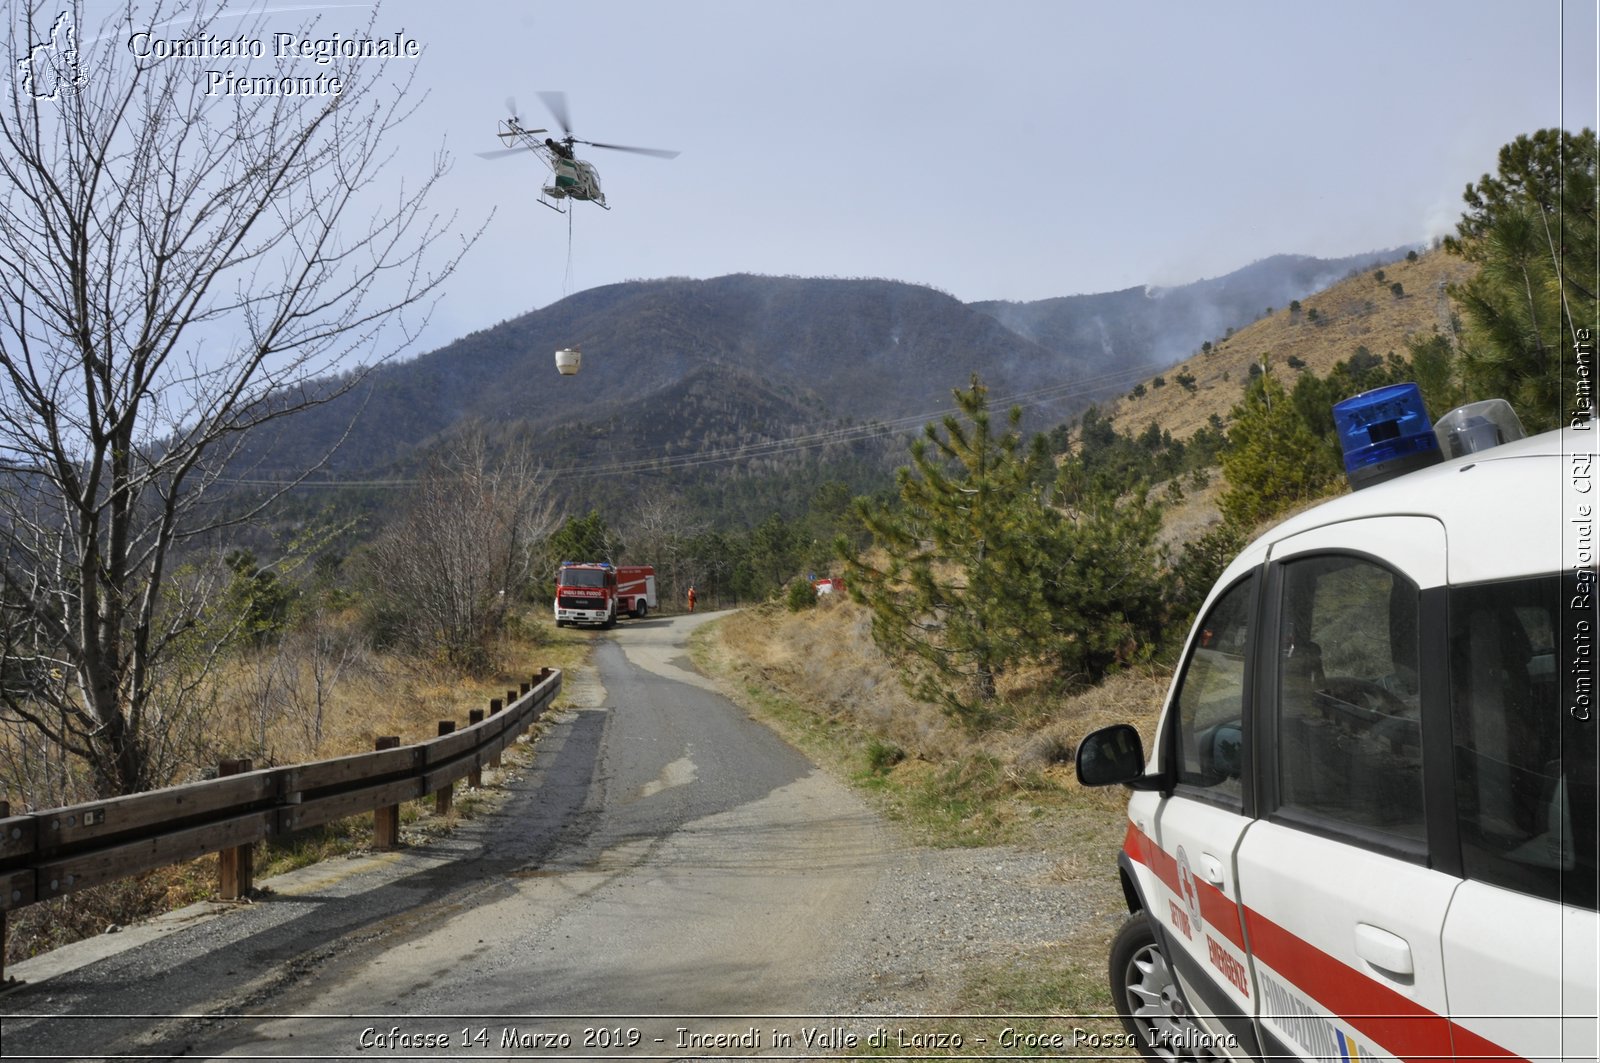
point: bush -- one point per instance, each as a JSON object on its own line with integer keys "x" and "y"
{"x": 528, "y": 628}
{"x": 801, "y": 595}
{"x": 881, "y": 756}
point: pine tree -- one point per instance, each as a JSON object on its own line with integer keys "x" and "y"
{"x": 585, "y": 538}
{"x": 991, "y": 559}
{"x": 1273, "y": 459}
{"x": 1102, "y": 568}
{"x": 952, "y": 576}
{"x": 1531, "y": 229}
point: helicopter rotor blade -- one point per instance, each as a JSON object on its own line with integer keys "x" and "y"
{"x": 501, "y": 154}
{"x": 659, "y": 153}
{"x": 556, "y": 102}
{"x": 511, "y": 106}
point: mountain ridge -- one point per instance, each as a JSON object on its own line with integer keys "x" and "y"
{"x": 793, "y": 353}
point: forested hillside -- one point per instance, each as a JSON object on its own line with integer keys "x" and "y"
{"x": 1377, "y": 311}
{"x": 744, "y": 392}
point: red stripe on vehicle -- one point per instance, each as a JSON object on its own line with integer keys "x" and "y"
{"x": 1217, "y": 909}
{"x": 1401, "y": 1026}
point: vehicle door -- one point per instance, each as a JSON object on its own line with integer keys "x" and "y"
{"x": 1520, "y": 938}
{"x": 1190, "y": 842}
{"x": 1342, "y": 909}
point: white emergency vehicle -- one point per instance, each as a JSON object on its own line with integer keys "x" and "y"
{"x": 1367, "y": 828}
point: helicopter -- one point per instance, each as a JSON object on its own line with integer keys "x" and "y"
{"x": 574, "y": 178}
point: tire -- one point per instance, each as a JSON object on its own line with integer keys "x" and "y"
{"x": 1148, "y": 1000}
{"x": 640, "y": 608}
{"x": 561, "y": 623}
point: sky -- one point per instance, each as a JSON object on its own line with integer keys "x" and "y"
{"x": 1017, "y": 149}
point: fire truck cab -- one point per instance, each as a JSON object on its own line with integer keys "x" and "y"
{"x": 600, "y": 592}
{"x": 586, "y": 593}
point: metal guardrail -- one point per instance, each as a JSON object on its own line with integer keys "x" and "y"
{"x": 50, "y": 854}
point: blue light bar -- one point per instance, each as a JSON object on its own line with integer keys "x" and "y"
{"x": 1384, "y": 433}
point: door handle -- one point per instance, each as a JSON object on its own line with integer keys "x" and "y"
{"x": 1388, "y": 952}
{"x": 1211, "y": 869}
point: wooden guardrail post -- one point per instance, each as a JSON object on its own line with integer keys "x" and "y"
{"x": 386, "y": 818}
{"x": 526, "y": 687}
{"x": 495, "y": 705}
{"x": 475, "y": 776}
{"x": 235, "y": 866}
{"x": 446, "y": 795}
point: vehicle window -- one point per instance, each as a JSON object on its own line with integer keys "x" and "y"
{"x": 583, "y": 578}
{"x": 1350, "y": 741}
{"x": 1521, "y": 684}
{"x": 1210, "y": 700}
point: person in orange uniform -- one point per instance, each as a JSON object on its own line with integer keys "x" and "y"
{"x": 691, "y": 599}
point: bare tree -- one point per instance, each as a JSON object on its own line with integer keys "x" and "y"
{"x": 464, "y": 548}
{"x": 320, "y": 654}
{"x": 659, "y": 533}
{"x": 179, "y": 263}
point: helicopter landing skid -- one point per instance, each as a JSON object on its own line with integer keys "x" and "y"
{"x": 557, "y": 192}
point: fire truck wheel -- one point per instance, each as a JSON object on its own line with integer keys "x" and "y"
{"x": 561, "y": 623}
{"x": 640, "y": 608}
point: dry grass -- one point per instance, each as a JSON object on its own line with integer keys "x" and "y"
{"x": 1356, "y": 312}
{"x": 819, "y": 678}
{"x": 825, "y": 657}
{"x": 267, "y": 703}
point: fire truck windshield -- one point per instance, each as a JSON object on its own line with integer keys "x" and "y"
{"x": 582, "y": 577}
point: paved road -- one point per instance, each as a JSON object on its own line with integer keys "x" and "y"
{"x": 667, "y": 877}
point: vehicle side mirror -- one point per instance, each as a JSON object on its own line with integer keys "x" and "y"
{"x": 1112, "y": 755}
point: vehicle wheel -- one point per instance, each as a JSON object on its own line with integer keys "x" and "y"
{"x": 1148, "y": 999}
{"x": 640, "y": 608}
{"x": 561, "y": 623}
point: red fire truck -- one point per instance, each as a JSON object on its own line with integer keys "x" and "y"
{"x": 598, "y": 592}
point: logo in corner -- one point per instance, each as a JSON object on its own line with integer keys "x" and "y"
{"x": 51, "y": 69}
